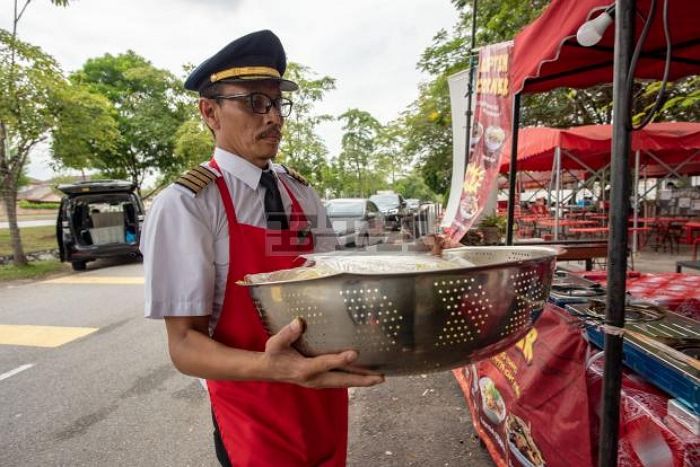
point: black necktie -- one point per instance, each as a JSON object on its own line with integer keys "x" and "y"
{"x": 274, "y": 209}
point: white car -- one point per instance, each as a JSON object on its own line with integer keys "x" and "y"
{"x": 356, "y": 221}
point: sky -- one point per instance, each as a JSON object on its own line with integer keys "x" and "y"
{"x": 370, "y": 47}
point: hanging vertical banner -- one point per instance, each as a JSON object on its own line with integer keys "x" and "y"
{"x": 491, "y": 128}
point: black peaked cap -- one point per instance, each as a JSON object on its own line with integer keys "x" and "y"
{"x": 255, "y": 56}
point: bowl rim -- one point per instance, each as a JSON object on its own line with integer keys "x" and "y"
{"x": 546, "y": 254}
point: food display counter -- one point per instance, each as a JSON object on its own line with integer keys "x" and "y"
{"x": 537, "y": 404}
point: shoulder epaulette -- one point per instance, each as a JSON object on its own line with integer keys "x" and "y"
{"x": 196, "y": 179}
{"x": 296, "y": 175}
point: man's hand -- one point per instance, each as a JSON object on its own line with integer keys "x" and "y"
{"x": 284, "y": 363}
{"x": 439, "y": 242}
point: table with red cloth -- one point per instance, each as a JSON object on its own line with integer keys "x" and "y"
{"x": 676, "y": 291}
{"x": 538, "y": 402}
{"x": 642, "y": 233}
{"x": 563, "y": 224}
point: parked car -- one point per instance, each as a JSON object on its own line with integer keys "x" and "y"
{"x": 356, "y": 221}
{"x": 393, "y": 206}
{"x": 412, "y": 205}
{"x": 98, "y": 219}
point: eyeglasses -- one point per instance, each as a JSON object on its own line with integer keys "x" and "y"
{"x": 262, "y": 103}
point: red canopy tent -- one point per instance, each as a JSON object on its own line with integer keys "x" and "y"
{"x": 546, "y": 54}
{"x": 672, "y": 143}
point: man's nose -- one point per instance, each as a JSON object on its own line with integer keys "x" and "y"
{"x": 274, "y": 115}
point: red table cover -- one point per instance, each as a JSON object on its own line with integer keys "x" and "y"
{"x": 676, "y": 291}
{"x": 536, "y": 404}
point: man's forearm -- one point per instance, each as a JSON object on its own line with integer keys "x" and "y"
{"x": 196, "y": 354}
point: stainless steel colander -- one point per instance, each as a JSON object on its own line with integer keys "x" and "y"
{"x": 416, "y": 322}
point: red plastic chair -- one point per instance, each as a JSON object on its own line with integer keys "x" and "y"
{"x": 696, "y": 242}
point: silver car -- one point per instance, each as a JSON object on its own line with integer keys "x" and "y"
{"x": 356, "y": 221}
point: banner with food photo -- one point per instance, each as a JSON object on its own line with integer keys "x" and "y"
{"x": 491, "y": 129}
{"x": 529, "y": 403}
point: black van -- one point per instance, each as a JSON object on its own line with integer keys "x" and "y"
{"x": 98, "y": 219}
{"x": 393, "y": 206}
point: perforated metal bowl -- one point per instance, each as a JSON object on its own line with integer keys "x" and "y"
{"x": 416, "y": 322}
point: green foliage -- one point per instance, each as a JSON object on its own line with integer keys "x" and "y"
{"x": 26, "y": 73}
{"x": 24, "y": 204}
{"x": 85, "y": 127}
{"x": 301, "y": 146}
{"x": 357, "y": 154}
{"x": 428, "y": 126}
{"x": 390, "y": 155}
{"x": 494, "y": 220}
{"x": 413, "y": 186}
{"x": 682, "y": 100}
{"x": 149, "y": 105}
{"x": 35, "y": 239}
{"x": 30, "y": 80}
{"x": 33, "y": 270}
{"x": 193, "y": 144}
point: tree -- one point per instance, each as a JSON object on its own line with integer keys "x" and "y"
{"x": 682, "y": 101}
{"x": 26, "y": 117}
{"x": 358, "y": 146}
{"x": 15, "y": 143}
{"x": 85, "y": 126}
{"x": 390, "y": 154}
{"x": 413, "y": 186}
{"x": 301, "y": 146}
{"x": 194, "y": 144}
{"x": 149, "y": 104}
{"x": 429, "y": 134}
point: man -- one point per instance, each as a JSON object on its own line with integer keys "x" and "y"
{"x": 240, "y": 214}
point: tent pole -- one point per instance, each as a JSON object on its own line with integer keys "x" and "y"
{"x": 636, "y": 203}
{"x": 646, "y": 205}
{"x": 617, "y": 238}
{"x": 513, "y": 169}
{"x": 557, "y": 188}
{"x": 470, "y": 85}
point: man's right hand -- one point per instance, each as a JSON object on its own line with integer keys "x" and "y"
{"x": 285, "y": 363}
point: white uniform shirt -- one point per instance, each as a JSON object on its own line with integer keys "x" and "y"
{"x": 185, "y": 242}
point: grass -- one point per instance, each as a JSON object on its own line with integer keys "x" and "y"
{"x": 24, "y": 204}
{"x": 33, "y": 270}
{"x": 33, "y": 239}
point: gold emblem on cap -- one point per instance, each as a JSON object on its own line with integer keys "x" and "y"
{"x": 262, "y": 71}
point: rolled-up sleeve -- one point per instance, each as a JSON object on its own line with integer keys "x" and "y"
{"x": 177, "y": 244}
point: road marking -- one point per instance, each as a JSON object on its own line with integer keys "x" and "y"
{"x": 95, "y": 280}
{"x": 40, "y": 336}
{"x": 19, "y": 369}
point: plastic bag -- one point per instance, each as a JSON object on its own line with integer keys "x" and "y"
{"x": 327, "y": 265}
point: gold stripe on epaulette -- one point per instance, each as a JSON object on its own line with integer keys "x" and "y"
{"x": 194, "y": 174}
{"x": 187, "y": 184}
{"x": 196, "y": 179}
{"x": 205, "y": 172}
{"x": 296, "y": 175}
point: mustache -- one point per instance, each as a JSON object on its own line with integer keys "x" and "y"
{"x": 271, "y": 132}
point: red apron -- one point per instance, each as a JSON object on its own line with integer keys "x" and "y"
{"x": 262, "y": 423}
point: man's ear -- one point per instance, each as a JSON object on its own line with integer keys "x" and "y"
{"x": 209, "y": 112}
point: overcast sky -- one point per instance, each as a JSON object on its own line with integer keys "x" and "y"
{"x": 370, "y": 47}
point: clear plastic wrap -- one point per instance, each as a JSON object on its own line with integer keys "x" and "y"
{"x": 327, "y": 265}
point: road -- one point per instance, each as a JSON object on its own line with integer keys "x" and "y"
{"x": 30, "y": 223}
{"x": 86, "y": 380}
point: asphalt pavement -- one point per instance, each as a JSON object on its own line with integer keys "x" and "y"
{"x": 29, "y": 223}
{"x": 86, "y": 380}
